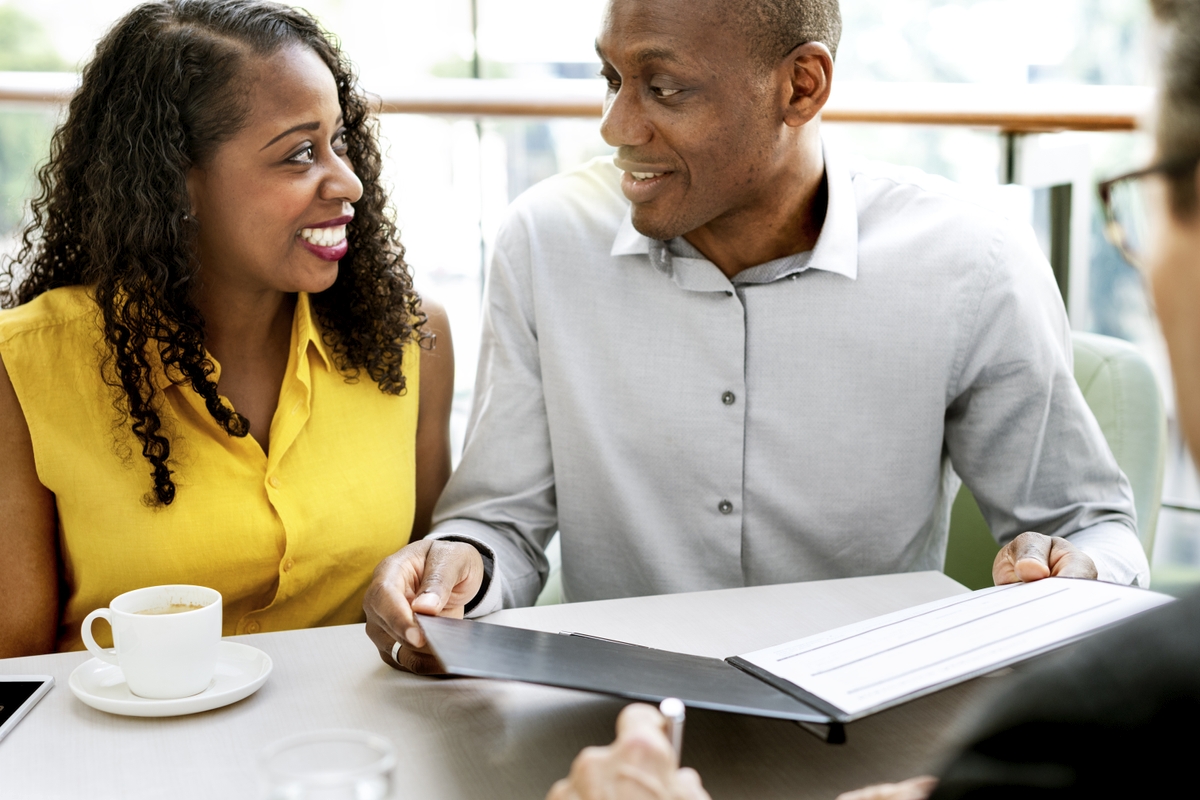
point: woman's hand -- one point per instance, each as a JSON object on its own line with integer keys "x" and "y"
{"x": 639, "y": 764}
{"x": 911, "y": 789}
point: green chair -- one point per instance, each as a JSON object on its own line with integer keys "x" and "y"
{"x": 1122, "y": 392}
{"x": 552, "y": 592}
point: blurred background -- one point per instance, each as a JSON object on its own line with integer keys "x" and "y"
{"x": 452, "y": 178}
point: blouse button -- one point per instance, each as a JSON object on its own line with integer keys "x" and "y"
{"x": 725, "y": 507}
{"x": 275, "y": 482}
{"x": 253, "y": 627}
{"x": 287, "y": 565}
{"x": 729, "y": 398}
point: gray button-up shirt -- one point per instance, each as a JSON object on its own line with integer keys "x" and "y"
{"x": 807, "y": 420}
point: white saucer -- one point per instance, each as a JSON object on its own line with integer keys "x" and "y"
{"x": 241, "y": 670}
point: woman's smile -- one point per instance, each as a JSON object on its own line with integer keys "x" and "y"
{"x": 326, "y": 240}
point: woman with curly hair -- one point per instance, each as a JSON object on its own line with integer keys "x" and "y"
{"x": 215, "y": 369}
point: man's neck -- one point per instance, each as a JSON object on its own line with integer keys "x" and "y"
{"x": 785, "y": 221}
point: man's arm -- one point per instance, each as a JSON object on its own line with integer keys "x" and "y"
{"x": 498, "y": 510}
{"x": 1022, "y": 437}
{"x": 502, "y": 496}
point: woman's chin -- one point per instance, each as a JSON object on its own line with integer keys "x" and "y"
{"x": 315, "y": 281}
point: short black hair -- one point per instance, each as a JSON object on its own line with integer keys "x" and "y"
{"x": 775, "y": 27}
{"x": 1178, "y": 129}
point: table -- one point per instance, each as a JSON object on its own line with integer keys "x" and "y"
{"x": 463, "y": 738}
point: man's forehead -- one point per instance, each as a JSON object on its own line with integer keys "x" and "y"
{"x": 673, "y": 31}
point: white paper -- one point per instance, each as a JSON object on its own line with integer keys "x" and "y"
{"x": 878, "y": 662}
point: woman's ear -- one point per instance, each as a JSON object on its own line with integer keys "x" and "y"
{"x": 195, "y": 190}
{"x": 808, "y": 76}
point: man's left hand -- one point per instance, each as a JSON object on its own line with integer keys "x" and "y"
{"x": 1033, "y": 556}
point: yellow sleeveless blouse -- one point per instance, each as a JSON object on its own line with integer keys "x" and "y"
{"x": 290, "y": 539}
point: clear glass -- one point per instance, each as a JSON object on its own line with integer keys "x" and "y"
{"x": 329, "y": 765}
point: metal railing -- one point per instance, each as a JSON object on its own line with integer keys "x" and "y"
{"x": 1017, "y": 108}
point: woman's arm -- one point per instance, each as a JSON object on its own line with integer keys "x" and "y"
{"x": 28, "y": 539}
{"x": 433, "y": 421}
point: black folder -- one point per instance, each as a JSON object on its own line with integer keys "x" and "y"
{"x": 571, "y": 661}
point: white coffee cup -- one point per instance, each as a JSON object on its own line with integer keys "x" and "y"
{"x": 166, "y": 639}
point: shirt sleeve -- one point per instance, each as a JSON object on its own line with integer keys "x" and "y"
{"x": 502, "y": 496}
{"x": 1018, "y": 429}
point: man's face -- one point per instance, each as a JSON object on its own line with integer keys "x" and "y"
{"x": 694, "y": 118}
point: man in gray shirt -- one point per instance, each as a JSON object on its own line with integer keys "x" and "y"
{"x": 728, "y": 357}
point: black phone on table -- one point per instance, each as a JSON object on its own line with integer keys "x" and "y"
{"x": 18, "y": 694}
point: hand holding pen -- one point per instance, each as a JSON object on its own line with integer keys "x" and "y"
{"x": 642, "y": 762}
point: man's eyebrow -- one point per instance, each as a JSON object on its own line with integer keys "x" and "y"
{"x": 643, "y": 57}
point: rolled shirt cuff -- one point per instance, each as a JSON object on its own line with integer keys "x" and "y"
{"x": 1116, "y": 552}
{"x": 490, "y": 597}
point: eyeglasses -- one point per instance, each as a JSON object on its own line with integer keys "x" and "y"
{"x": 1126, "y": 209}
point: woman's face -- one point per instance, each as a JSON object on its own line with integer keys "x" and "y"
{"x": 1173, "y": 269}
{"x": 273, "y": 201}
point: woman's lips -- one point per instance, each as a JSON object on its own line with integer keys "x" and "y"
{"x": 329, "y": 253}
{"x": 327, "y": 240}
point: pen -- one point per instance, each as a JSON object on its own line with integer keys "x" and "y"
{"x": 673, "y": 709}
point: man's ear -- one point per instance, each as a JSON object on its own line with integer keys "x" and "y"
{"x": 807, "y": 73}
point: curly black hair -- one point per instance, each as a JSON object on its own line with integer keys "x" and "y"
{"x": 163, "y": 91}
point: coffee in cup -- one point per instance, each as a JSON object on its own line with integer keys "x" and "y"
{"x": 165, "y": 639}
{"x": 173, "y": 608}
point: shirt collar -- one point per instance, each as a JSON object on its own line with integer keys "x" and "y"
{"x": 305, "y": 330}
{"x": 836, "y": 249}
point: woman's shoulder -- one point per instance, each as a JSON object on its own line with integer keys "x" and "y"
{"x": 65, "y": 307}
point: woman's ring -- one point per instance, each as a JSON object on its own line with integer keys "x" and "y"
{"x": 396, "y": 652}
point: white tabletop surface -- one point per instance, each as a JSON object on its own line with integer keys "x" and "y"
{"x": 463, "y": 738}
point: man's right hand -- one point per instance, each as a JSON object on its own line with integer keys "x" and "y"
{"x": 431, "y": 577}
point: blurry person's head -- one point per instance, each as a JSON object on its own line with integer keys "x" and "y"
{"x": 208, "y": 142}
{"x": 709, "y": 103}
{"x": 1173, "y": 248}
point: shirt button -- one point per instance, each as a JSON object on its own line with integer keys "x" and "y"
{"x": 253, "y": 627}
{"x": 729, "y": 398}
{"x": 275, "y": 482}
{"x": 725, "y": 507}
{"x": 287, "y": 565}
